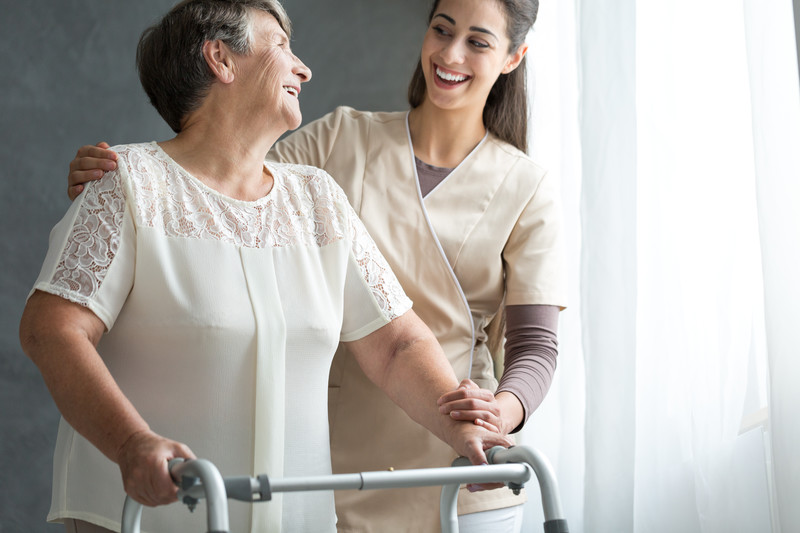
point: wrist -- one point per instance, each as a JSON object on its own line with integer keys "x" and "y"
{"x": 512, "y": 414}
{"x": 455, "y": 432}
{"x": 132, "y": 437}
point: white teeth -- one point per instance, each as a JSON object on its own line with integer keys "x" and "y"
{"x": 291, "y": 90}
{"x": 449, "y": 77}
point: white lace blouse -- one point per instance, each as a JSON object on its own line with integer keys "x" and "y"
{"x": 223, "y": 316}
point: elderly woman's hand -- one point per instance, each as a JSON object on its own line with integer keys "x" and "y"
{"x": 471, "y": 403}
{"x": 90, "y": 163}
{"x": 143, "y": 459}
{"x": 472, "y": 441}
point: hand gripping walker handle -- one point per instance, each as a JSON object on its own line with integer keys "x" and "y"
{"x": 186, "y": 473}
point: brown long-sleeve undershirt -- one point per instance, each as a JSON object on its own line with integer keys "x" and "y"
{"x": 530, "y": 354}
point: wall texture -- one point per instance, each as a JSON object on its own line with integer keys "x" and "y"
{"x": 797, "y": 28}
{"x": 68, "y": 79}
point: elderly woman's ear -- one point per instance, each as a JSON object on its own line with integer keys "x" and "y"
{"x": 220, "y": 60}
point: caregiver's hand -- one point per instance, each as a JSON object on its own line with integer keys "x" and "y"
{"x": 89, "y": 164}
{"x": 143, "y": 461}
{"x": 472, "y": 403}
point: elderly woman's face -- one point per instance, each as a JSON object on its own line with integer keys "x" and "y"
{"x": 271, "y": 73}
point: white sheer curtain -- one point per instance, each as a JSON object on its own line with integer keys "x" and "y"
{"x": 675, "y": 130}
{"x": 557, "y": 427}
{"x": 776, "y": 125}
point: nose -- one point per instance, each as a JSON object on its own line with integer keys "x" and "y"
{"x": 301, "y": 70}
{"x": 453, "y": 52}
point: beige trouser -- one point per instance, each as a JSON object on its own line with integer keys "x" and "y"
{"x": 79, "y": 526}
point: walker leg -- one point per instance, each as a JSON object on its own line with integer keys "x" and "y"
{"x": 556, "y": 526}
{"x": 449, "y": 509}
{"x": 131, "y": 516}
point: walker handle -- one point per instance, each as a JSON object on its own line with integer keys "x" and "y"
{"x": 554, "y": 521}
{"x": 190, "y": 475}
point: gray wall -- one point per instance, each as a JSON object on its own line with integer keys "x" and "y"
{"x": 68, "y": 79}
{"x": 797, "y": 29}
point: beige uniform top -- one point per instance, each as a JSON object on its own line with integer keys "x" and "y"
{"x": 488, "y": 234}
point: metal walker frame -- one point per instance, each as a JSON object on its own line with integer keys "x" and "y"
{"x": 199, "y": 479}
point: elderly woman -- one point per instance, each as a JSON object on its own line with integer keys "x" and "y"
{"x": 198, "y": 294}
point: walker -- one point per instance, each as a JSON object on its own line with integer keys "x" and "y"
{"x": 199, "y": 479}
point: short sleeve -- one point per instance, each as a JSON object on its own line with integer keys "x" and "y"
{"x": 373, "y": 295}
{"x": 310, "y": 145}
{"x": 91, "y": 253}
{"x": 533, "y": 255}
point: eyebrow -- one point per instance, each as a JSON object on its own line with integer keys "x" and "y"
{"x": 452, "y": 21}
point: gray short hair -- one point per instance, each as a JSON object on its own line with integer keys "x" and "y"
{"x": 169, "y": 58}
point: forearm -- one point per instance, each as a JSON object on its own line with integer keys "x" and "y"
{"x": 530, "y": 359}
{"x": 81, "y": 386}
{"x": 404, "y": 359}
{"x": 90, "y": 400}
{"x": 416, "y": 377}
{"x": 417, "y": 374}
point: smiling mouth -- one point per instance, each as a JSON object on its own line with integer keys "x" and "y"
{"x": 292, "y": 90}
{"x": 449, "y": 77}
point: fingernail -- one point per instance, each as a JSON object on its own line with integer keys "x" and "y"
{"x": 455, "y": 413}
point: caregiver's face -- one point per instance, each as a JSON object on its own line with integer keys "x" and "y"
{"x": 464, "y": 52}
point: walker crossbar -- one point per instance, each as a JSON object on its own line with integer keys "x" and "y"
{"x": 514, "y": 467}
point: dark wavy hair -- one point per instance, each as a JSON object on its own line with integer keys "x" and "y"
{"x": 506, "y": 110}
{"x": 169, "y": 58}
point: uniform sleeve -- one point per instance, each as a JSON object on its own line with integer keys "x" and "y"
{"x": 373, "y": 295}
{"x": 310, "y": 145}
{"x": 533, "y": 256}
{"x": 91, "y": 253}
{"x": 531, "y": 350}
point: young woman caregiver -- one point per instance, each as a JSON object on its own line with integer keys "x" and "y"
{"x": 470, "y": 226}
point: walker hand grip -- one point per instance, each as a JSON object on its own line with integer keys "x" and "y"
{"x": 248, "y": 489}
{"x": 187, "y": 473}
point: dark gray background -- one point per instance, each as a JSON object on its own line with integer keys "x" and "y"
{"x": 68, "y": 79}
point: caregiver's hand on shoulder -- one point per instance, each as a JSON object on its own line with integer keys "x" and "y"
{"x": 471, "y": 403}
{"x": 90, "y": 163}
{"x": 143, "y": 461}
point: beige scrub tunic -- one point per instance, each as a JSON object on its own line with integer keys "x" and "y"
{"x": 489, "y": 234}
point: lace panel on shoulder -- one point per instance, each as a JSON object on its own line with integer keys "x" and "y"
{"x": 305, "y": 208}
{"x": 300, "y": 210}
{"x": 93, "y": 241}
